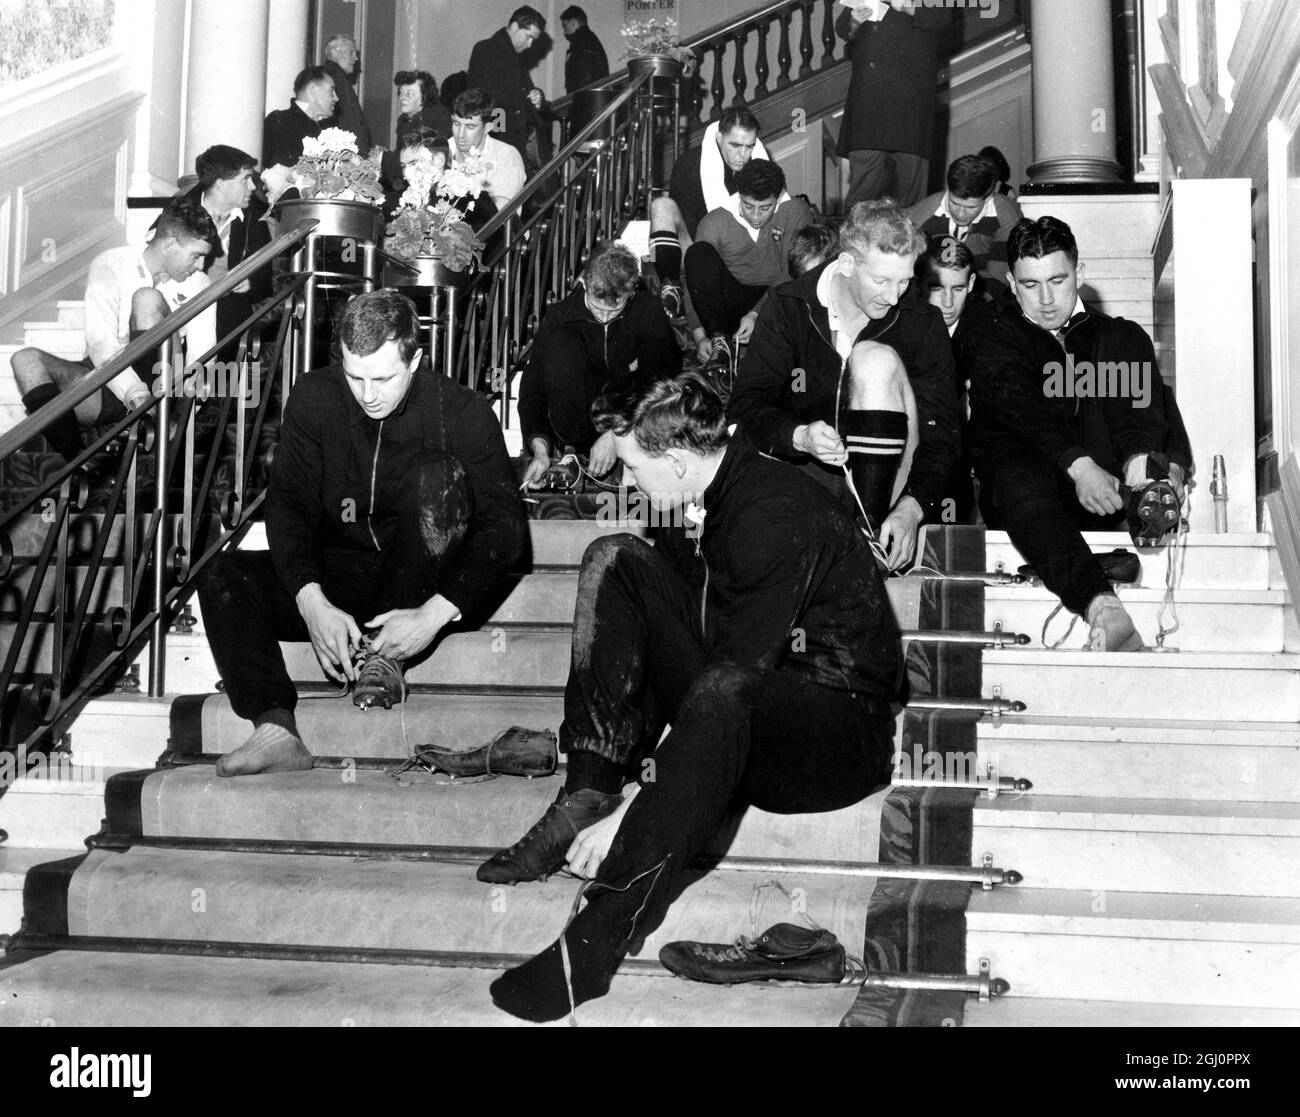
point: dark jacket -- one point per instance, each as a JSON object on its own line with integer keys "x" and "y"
{"x": 283, "y": 132}
{"x": 786, "y": 581}
{"x": 894, "y": 85}
{"x": 793, "y": 332}
{"x": 247, "y": 236}
{"x": 494, "y": 65}
{"x": 686, "y": 190}
{"x": 1010, "y": 362}
{"x": 348, "y": 113}
{"x": 332, "y": 457}
{"x": 586, "y": 60}
{"x": 641, "y": 334}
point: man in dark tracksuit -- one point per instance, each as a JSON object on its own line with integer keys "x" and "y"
{"x": 391, "y": 506}
{"x": 1053, "y": 451}
{"x": 757, "y": 626}
{"x": 797, "y": 392}
{"x": 605, "y": 335}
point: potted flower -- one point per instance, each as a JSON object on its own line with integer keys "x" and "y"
{"x": 652, "y": 44}
{"x": 335, "y": 186}
{"x": 432, "y": 237}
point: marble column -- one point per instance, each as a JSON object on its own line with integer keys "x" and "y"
{"x": 226, "y": 78}
{"x": 1074, "y": 92}
{"x": 286, "y": 50}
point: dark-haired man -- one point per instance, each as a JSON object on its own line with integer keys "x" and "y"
{"x": 498, "y": 166}
{"x": 973, "y": 213}
{"x": 314, "y": 98}
{"x": 586, "y": 60}
{"x": 757, "y": 627}
{"x": 1058, "y": 453}
{"x": 809, "y": 391}
{"x": 495, "y": 66}
{"x": 391, "y": 507}
{"x": 741, "y": 250}
{"x": 128, "y": 291}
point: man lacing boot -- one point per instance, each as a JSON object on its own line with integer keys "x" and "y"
{"x": 512, "y": 752}
{"x": 1110, "y": 627}
{"x": 540, "y": 852}
{"x": 379, "y": 679}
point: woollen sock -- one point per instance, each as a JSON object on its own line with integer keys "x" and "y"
{"x": 876, "y": 441}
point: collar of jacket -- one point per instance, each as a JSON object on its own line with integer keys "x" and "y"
{"x": 573, "y": 308}
{"x": 731, "y": 470}
{"x": 356, "y": 414}
{"x": 1009, "y": 304}
{"x": 805, "y": 289}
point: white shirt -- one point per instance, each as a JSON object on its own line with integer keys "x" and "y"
{"x": 962, "y": 231}
{"x": 503, "y": 169}
{"x": 114, "y": 278}
{"x": 843, "y": 340}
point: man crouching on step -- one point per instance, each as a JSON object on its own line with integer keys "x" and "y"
{"x": 391, "y": 507}
{"x": 757, "y": 626}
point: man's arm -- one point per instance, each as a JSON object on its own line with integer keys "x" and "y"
{"x": 508, "y": 177}
{"x": 763, "y": 379}
{"x": 293, "y": 495}
{"x": 657, "y": 353}
{"x": 932, "y": 375}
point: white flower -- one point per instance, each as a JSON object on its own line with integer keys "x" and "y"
{"x": 460, "y": 182}
{"x": 277, "y": 180}
{"x": 333, "y": 139}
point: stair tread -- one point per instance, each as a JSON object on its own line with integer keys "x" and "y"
{"x": 16, "y": 860}
{"x": 1211, "y": 595}
{"x": 1163, "y": 915}
{"x": 1122, "y": 539}
{"x": 1070, "y": 812}
{"x": 87, "y": 988}
{"x": 1030, "y": 726}
{"x": 1192, "y": 661}
{"x": 1049, "y": 1012}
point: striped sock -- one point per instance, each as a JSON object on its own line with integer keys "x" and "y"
{"x": 876, "y": 441}
{"x": 666, "y": 252}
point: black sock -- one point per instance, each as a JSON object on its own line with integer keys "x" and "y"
{"x": 64, "y": 434}
{"x": 588, "y": 770}
{"x": 666, "y": 252}
{"x": 876, "y": 441}
{"x": 277, "y": 715}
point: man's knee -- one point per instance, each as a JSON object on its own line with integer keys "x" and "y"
{"x": 664, "y": 214}
{"x": 601, "y": 554}
{"x": 724, "y": 686}
{"x": 31, "y": 368}
{"x": 876, "y": 378}
{"x": 148, "y": 308}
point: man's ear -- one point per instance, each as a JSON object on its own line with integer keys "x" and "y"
{"x": 414, "y": 362}
{"x": 1078, "y": 272}
{"x": 678, "y": 462}
{"x": 844, "y": 265}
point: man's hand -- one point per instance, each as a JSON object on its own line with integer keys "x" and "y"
{"x": 404, "y": 633}
{"x": 603, "y": 455}
{"x": 136, "y": 396}
{"x": 820, "y": 440}
{"x": 535, "y": 96}
{"x": 1097, "y": 490}
{"x": 536, "y": 470}
{"x": 746, "y": 328}
{"x": 334, "y": 635}
{"x": 703, "y": 346}
{"x": 591, "y": 847}
{"x": 899, "y": 531}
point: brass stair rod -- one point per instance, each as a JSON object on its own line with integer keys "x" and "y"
{"x": 994, "y": 639}
{"x": 981, "y": 984}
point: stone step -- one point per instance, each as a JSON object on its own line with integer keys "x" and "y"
{"x": 1143, "y": 845}
{"x": 369, "y": 807}
{"x": 71, "y": 988}
{"x": 1027, "y": 1012}
{"x": 203, "y": 896}
{"x": 1237, "y": 561}
{"x": 107, "y": 594}
{"x": 1134, "y": 947}
{"x": 123, "y": 731}
{"x": 58, "y": 811}
{"x": 1195, "y": 686}
{"x": 14, "y": 863}
{"x": 55, "y": 338}
{"x": 1130, "y": 758}
{"x": 1209, "y": 620}
{"x": 72, "y": 313}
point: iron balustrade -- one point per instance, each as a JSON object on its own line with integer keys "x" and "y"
{"x": 154, "y": 547}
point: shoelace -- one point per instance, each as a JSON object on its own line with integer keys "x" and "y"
{"x": 388, "y": 670}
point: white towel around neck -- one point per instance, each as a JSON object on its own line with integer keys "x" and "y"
{"x": 712, "y": 169}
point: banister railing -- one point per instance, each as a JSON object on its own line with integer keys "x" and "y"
{"x": 89, "y": 588}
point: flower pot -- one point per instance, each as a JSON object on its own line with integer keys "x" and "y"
{"x": 658, "y": 66}
{"x": 334, "y": 216}
{"x": 425, "y": 271}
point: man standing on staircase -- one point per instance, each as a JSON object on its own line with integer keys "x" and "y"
{"x": 1071, "y": 427}
{"x": 392, "y": 506}
{"x": 757, "y": 626}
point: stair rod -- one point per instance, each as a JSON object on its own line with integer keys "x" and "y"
{"x": 987, "y": 876}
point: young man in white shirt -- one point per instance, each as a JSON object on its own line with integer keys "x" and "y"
{"x": 500, "y": 165}
{"x": 128, "y": 292}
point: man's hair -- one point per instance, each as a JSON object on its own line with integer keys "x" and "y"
{"x": 474, "y": 102}
{"x": 971, "y": 176}
{"x": 997, "y": 161}
{"x": 681, "y": 413}
{"x": 220, "y": 162}
{"x": 811, "y": 246}
{"x": 737, "y": 117}
{"x": 611, "y": 272}
{"x": 336, "y": 40}
{"x": 1036, "y": 239}
{"x": 186, "y": 220}
{"x": 527, "y": 17}
{"x": 372, "y": 320}
{"x": 428, "y": 138}
{"x": 759, "y": 179}
{"x": 944, "y": 253}
{"x": 573, "y": 12}
{"x": 309, "y": 76}
{"x": 422, "y": 78}
{"x": 881, "y": 225}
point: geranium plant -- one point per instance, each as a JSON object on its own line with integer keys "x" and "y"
{"x": 331, "y": 167}
{"x": 642, "y": 37}
{"x": 439, "y": 230}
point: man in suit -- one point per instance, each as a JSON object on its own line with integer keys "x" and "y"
{"x": 314, "y": 98}
{"x": 586, "y": 60}
{"x": 341, "y": 63}
{"x": 888, "y": 128}
{"x": 496, "y": 68}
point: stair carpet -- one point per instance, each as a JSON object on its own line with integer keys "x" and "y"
{"x": 346, "y": 860}
{"x": 1161, "y": 838}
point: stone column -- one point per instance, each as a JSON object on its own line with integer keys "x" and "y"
{"x": 226, "y": 76}
{"x": 286, "y": 50}
{"x": 1074, "y": 93}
